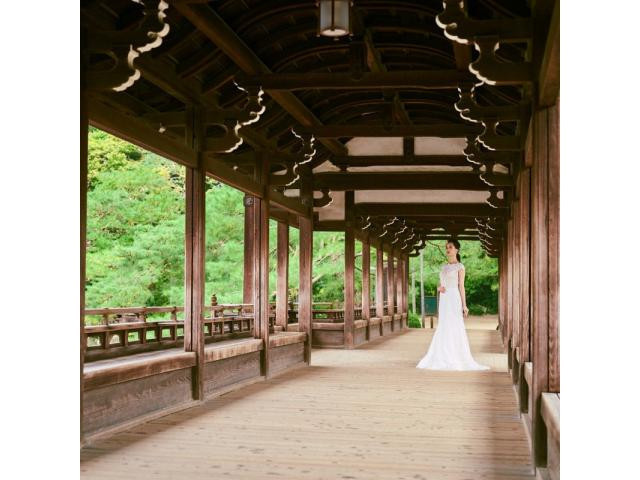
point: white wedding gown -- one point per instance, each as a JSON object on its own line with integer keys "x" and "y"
{"x": 449, "y": 349}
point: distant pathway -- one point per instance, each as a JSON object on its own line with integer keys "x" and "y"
{"x": 360, "y": 414}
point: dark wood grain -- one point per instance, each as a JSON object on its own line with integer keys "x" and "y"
{"x": 282, "y": 285}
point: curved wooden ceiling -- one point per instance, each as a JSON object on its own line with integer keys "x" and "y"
{"x": 281, "y": 37}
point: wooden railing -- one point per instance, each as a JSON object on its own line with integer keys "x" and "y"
{"x": 124, "y": 331}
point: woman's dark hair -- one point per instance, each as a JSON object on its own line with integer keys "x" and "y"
{"x": 456, "y": 244}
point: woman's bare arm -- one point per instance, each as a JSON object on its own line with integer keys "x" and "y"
{"x": 462, "y": 292}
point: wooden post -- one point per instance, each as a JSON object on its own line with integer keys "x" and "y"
{"x": 540, "y": 284}
{"x": 525, "y": 215}
{"x": 261, "y": 263}
{"x": 405, "y": 285}
{"x": 391, "y": 290}
{"x": 398, "y": 283}
{"x": 349, "y": 265}
{"x": 282, "y": 286}
{"x": 413, "y": 292}
{"x": 380, "y": 284}
{"x": 194, "y": 274}
{"x": 84, "y": 178}
{"x": 422, "y": 288}
{"x": 553, "y": 131}
{"x": 305, "y": 296}
{"x": 366, "y": 288}
{"x": 247, "y": 290}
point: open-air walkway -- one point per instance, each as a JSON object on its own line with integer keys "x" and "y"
{"x": 354, "y": 414}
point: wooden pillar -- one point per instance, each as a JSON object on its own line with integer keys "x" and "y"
{"x": 366, "y": 287}
{"x": 305, "y": 225}
{"x": 525, "y": 215}
{"x": 405, "y": 284}
{"x": 554, "y": 246}
{"x": 516, "y": 279}
{"x": 413, "y": 292}
{"x": 391, "y": 289}
{"x": 194, "y": 274}
{"x": 422, "y": 288}
{"x": 349, "y": 267}
{"x": 282, "y": 285}
{"x": 247, "y": 290}
{"x": 261, "y": 264}
{"x": 398, "y": 276}
{"x": 84, "y": 153}
{"x": 539, "y": 283}
{"x": 509, "y": 292}
{"x": 379, "y": 283}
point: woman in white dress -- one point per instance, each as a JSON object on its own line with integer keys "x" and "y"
{"x": 449, "y": 349}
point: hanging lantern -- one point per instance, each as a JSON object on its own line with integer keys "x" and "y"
{"x": 335, "y": 18}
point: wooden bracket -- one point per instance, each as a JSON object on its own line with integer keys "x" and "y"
{"x": 123, "y": 47}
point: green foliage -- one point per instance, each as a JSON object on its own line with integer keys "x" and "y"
{"x": 135, "y": 240}
{"x": 413, "y": 320}
{"x": 108, "y": 153}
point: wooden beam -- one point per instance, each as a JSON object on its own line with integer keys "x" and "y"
{"x": 139, "y": 133}
{"x": 224, "y": 173}
{"x": 549, "y": 75}
{"x": 349, "y": 271}
{"x": 453, "y": 210}
{"x": 400, "y": 160}
{"x": 401, "y": 80}
{"x": 223, "y": 36}
{"x": 290, "y": 204}
{"x": 374, "y": 61}
{"x": 339, "y": 181}
{"x": 282, "y": 283}
{"x": 444, "y": 130}
{"x": 329, "y": 226}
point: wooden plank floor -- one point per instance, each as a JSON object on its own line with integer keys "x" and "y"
{"x": 366, "y": 413}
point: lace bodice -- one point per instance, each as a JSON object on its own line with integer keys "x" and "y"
{"x": 449, "y": 274}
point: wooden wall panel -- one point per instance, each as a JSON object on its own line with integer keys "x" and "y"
{"x": 286, "y": 356}
{"x": 225, "y": 372}
{"x": 112, "y": 405}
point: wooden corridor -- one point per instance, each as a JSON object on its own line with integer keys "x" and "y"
{"x": 354, "y": 414}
